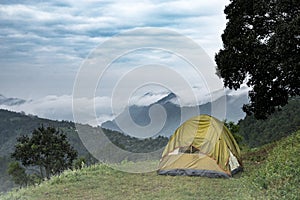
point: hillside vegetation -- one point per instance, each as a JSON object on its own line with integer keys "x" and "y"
{"x": 255, "y": 134}
{"x": 271, "y": 172}
{"x": 278, "y": 125}
{"x": 278, "y": 175}
{"x": 13, "y": 125}
{"x": 102, "y": 182}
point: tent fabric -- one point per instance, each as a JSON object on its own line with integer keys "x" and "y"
{"x": 201, "y": 144}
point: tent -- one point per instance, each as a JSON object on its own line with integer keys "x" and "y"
{"x": 201, "y": 146}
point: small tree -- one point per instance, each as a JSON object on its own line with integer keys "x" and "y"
{"x": 48, "y": 149}
{"x": 234, "y": 129}
{"x": 18, "y": 174}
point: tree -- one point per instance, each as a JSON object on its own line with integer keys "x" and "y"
{"x": 48, "y": 149}
{"x": 261, "y": 46}
{"x": 234, "y": 129}
{"x": 18, "y": 173}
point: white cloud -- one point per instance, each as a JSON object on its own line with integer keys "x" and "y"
{"x": 147, "y": 99}
{"x": 60, "y": 107}
{"x": 39, "y": 39}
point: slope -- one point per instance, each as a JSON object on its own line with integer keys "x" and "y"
{"x": 278, "y": 175}
{"x": 278, "y": 125}
{"x": 274, "y": 177}
{"x": 13, "y": 125}
{"x": 101, "y": 182}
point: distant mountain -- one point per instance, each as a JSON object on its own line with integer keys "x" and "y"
{"x": 10, "y": 101}
{"x": 175, "y": 114}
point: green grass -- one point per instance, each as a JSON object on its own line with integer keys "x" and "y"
{"x": 279, "y": 175}
{"x": 102, "y": 182}
{"x": 271, "y": 172}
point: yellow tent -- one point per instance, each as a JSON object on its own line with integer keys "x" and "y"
{"x": 201, "y": 146}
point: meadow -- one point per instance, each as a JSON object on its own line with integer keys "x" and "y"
{"x": 270, "y": 172}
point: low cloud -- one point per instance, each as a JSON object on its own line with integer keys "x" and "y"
{"x": 60, "y": 107}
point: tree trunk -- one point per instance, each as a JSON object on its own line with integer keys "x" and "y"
{"x": 47, "y": 172}
{"x": 41, "y": 172}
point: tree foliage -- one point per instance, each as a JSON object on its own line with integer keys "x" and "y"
{"x": 234, "y": 130}
{"x": 47, "y": 148}
{"x": 80, "y": 162}
{"x": 18, "y": 173}
{"x": 261, "y": 46}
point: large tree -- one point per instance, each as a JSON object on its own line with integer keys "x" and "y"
{"x": 47, "y": 148}
{"x": 261, "y": 45}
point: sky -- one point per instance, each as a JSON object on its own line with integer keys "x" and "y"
{"x": 44, "y": 45}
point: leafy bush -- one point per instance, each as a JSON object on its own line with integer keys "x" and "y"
{"x": 79, "y": 163}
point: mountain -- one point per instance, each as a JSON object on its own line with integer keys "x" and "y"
{"x": 10, "y": 101}
{"x": 136, "y": 120}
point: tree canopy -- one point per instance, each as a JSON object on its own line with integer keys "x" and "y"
{"x": 261, "y": 45}
{"x": 47, "y": 148}
{"x": 234, "y": 130}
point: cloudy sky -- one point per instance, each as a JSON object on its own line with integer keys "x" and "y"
{"x": 43, "y": 45}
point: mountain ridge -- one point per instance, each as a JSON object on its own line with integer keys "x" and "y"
{"x": 176, "y": 114}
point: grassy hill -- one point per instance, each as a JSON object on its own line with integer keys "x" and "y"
{"x": 271, "y": 172}
{"x": 278, "y": 174}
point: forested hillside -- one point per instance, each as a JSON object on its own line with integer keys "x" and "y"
{"x": 13, "y": 125}
{"x": 278, "y": 125}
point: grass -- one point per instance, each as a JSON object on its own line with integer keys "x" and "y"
{"x": 279, "y": 175}
{"x": 102, "y": 182}
{"x": 271, "y": 172}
